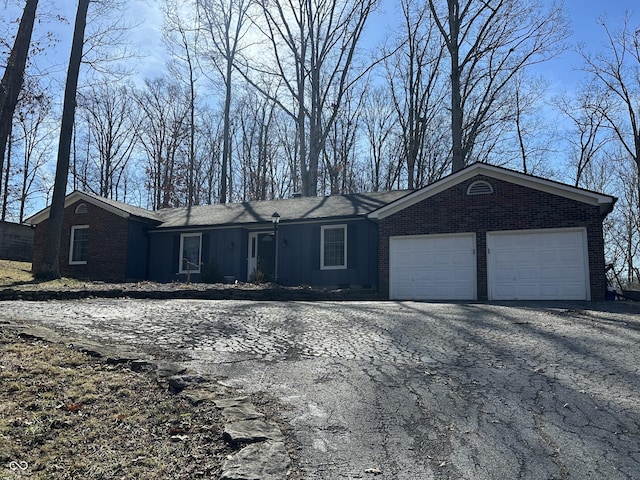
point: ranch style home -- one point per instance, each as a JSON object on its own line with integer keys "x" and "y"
{"x": 482, "y": 233}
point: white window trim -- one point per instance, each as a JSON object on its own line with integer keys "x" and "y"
{"x": 72, "y": 242}
{"x": 182, "y": 237}
{"x": 332, "y": 267}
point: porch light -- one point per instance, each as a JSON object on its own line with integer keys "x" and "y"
{"x": 275, "y": 218}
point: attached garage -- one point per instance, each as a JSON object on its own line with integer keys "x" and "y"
{"x": 538, "y": 265}
{"x": 489, "y": 233}
{"x": 433, "y": 267}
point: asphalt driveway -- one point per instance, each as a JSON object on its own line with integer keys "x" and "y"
{"x": 408, "y": 390}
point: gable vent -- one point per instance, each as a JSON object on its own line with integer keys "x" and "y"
{"x": 81, "y": 208}
{"x": 480, "y": 188}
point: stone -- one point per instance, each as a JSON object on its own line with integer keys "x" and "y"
{"x": 259, "y": 461}
{"x": 177, "y": 383}
{"x": 241, "y": 412}
{"x": 169, "y": 369}
{"x": 231, "y": 402}
{"x": 251, "y": 431}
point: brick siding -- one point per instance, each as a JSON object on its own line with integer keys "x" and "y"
{"x": 509, "y": 207}
{"x": 107, "y": 246}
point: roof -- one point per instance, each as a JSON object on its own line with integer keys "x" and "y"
{"x": 290, "y": 210}
{"x": 259, "y": 211}
{"x": 605, "y": 202}
{"x": 118, "y": 208}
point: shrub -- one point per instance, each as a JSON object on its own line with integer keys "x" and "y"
{"x": 210, "y": 273}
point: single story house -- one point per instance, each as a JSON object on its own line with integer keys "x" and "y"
{"x": 483, "y": 233}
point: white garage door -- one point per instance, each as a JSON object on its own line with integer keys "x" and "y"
{"x": 432, "y": 267}
{"x": 538, "y": 265}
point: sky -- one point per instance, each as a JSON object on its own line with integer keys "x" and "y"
{"x": 563, "y": 72}
{"x": 147, "y": 36}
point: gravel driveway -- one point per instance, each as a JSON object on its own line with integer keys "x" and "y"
{"x": 408, "y": 390}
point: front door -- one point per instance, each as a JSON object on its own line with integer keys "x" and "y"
{"x": 262, "y": 254}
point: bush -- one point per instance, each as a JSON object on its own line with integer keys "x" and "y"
{"x": 211, "y": 273}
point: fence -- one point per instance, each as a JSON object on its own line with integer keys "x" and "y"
{"x": 16, "y": 242}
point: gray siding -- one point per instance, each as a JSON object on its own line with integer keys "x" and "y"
{"x": 138, "y": 251}
{"x": 299, "y": 260}
{"x": 16, "y": 242}
{"x": 227, "y": 248}
{"x": 298, "y": 254}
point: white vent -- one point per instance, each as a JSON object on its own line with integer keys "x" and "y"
{"x": 480, "y": 188}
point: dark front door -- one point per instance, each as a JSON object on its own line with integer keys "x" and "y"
{"x": 262, "y": 254}
{"x": 266, "y": 256}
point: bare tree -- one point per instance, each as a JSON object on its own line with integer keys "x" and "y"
{"x": 588, "y": 136}
{"x": 106, "y": 43}
{"x": 49, "y": 267}
{"x": 37, "y": 137}
{"x": 529, "y": 134}
{"x": 489, "y": 42}
{"x": 378, "y": 119}
{"x": 616, "y": 70}
{"x": 182, "y": 40}
{"x": 208, "y": 156}
{"x": 12, "y": 80}
{"x": 339, "y": 154}
{"x": 112, "y": 127}
{"x": 163, "y": 132}
{"x": 225, "y": 22}
{"x": 257, "y": 146}
{"x": 414, "y": 75}
{"x": 313, "y": 47}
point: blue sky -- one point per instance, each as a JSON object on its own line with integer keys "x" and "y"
{"x": 562, "y": 71}
{"x": 582, "y": 15}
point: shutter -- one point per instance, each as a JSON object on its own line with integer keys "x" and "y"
{"x": 175, "y": 255}
{"x": 315, "y": 247}
{"x": 352, "y": 246}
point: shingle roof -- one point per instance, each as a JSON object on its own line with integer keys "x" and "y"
{"x": 125, "y": 207}
{"x": 292, "y": 209}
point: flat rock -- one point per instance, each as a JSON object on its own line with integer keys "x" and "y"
{"x": 241, "y": 412}
{"x": 259, "y": 461}
{"x": 231, "y": 402}
{"x": 251, "y": 431}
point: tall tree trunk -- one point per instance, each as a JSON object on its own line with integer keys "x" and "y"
{"x": 226, "y": 137}
{"x": 457, "y": 115}
{"x": 5, "y": 197}
{"x": 14, "y": 74}
{"x": 50, "y": 267}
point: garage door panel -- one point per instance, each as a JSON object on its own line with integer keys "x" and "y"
{"x": 542, "y": 265}
{"x": 432, "y": 267}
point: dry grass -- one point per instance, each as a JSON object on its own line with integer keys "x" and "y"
{"x": 64, "y": 415}
{"x": 15, "y": 274}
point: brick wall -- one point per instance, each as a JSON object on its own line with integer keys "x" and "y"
{"x": 509, "y": 207}
{"x": 107, "y": 246}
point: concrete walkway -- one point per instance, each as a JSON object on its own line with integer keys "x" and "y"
{"x": 407, "y": 390}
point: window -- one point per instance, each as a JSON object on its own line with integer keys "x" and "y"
{"x": 333, "y": 253}
{"x": 190, "y": 248}
{"x": 480, "y": 188}
{"x": 78, "y": 245}
{"x": 82, "y": 208}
